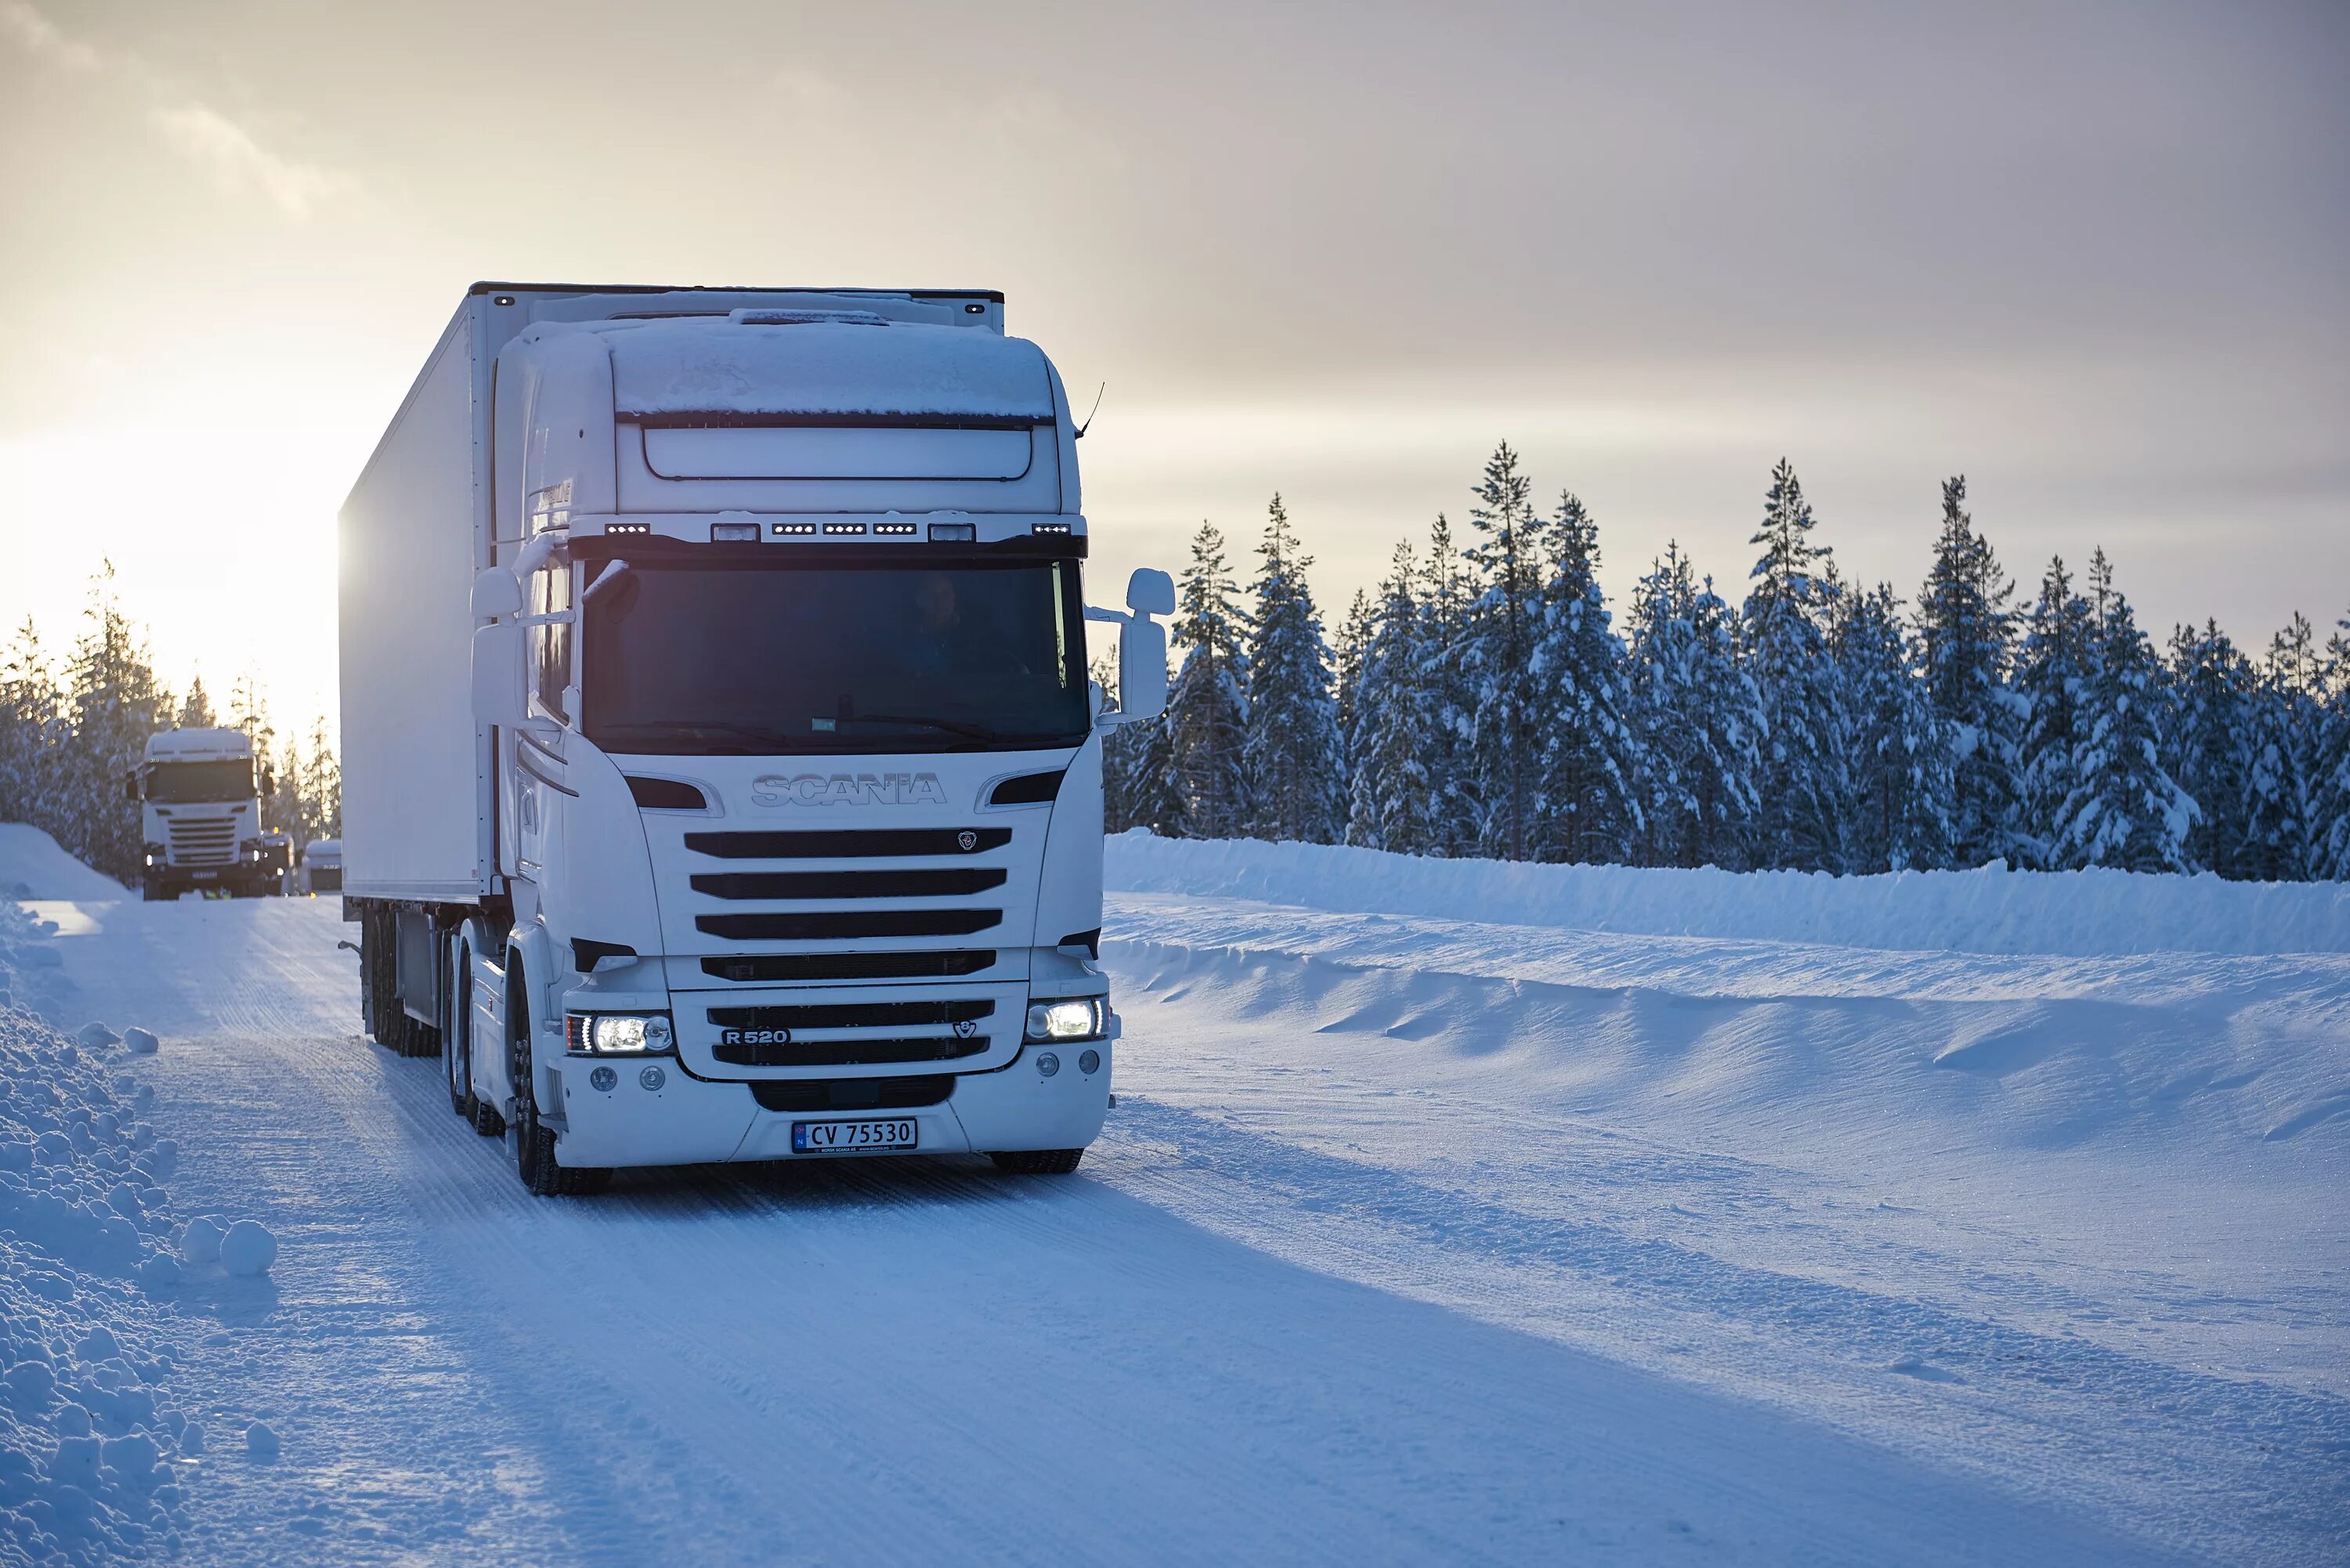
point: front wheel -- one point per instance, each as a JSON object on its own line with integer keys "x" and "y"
{"x": 534, "y": 1160}
{"x": 153, "y": 893}
{"x": 1038, "y": 1161}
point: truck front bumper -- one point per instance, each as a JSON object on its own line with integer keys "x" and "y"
{"x": 654, "y": 1114}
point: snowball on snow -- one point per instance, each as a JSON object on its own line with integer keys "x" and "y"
{"x": 94, "y": 1034}
{"x": 139, "y": 1042}
{"x": 248, "y": 1249}
{"x": 200, "y": 1243}
{"x": 259, "y": 1440}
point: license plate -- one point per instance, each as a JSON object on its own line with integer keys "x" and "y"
{"x": 852, "y": 1137}
{"x": 203, "y": 875}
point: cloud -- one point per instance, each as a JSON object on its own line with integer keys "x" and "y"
{"x": 40, "y": 36}
{"x": 238, "y": 162}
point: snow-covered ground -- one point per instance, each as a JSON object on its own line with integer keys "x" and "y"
{"x": 1428, "y": 1227}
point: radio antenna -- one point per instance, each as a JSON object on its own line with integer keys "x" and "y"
{"x": 1092, "y": 411}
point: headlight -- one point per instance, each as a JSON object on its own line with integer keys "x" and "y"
{"x": 617, "y": 1034}
{"x": 1085, "y": 1018}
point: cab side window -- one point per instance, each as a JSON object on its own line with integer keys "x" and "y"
{"x": 550, "y": 645}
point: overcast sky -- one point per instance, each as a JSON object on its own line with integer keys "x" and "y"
{"x": 2094, "y": 256}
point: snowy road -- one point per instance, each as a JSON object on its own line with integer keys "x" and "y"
{"x": 1408, "y": 1242}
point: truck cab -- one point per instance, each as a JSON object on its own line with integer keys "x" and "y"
{"x": 767, "y": 821}
{"x": 199, "y": 797}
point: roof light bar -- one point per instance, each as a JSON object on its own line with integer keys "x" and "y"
{"x": 627, "y": 527}
{"x": 844, "y": 527}
{"x": 898, "y": 528}
{"x": 795, "y": 528}
{"x": 1050, "y": 528}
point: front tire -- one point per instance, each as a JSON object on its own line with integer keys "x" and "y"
{"x": 535, "y": 1162}
{"x": 1038, "y": 1161}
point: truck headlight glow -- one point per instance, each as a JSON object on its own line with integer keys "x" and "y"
{"x": 1081, "y": 1018}
{"x": 617, "y": 1034}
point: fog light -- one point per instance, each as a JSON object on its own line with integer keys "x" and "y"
{"x": 1089, "y": 1062}
{"x": 652, "y": 1077}
{"x": 1049, "y": 1064}
{"x": 602, "y": 1079}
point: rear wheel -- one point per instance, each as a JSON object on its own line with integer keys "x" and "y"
{"x": 460, "y": 1056}
{"x": 1038, "y": 1161}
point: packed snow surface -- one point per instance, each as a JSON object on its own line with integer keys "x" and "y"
{"x": 1422, "y": 1232}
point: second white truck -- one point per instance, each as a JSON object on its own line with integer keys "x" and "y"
{"x": 721, "y": 776}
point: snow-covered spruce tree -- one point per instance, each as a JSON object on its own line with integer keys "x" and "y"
{"x": 32, "y": 734}
{"x": 1393, "y": 803}
{"x": 2203, "y": 744}
{"x": 2052, "y": 680}
{"x": 1207, "y": 709}
{"x": 1448, "y": 760}
{"x": 1296, "y": 767}
{"x": 196, "y": 708}
{"x": 1354, "y": 637}
{"x": 112, "y": 704}
{"x": 2333, "y": 758}
{"x": 2281, "y": 832}
{"x": 1899, "y": 758}
{"x": 2123, "y": 810}
{"x": 1784, "y": 644}
{"x": 1585, "y": 809}
{"x": 1508, "y": 722}
{"x": 1969, "y": 633}
{"x": 1696, "y": 720}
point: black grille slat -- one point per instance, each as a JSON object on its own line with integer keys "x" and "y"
{"x": 853, "y": 1094}
{"x": 847, "y": 843}
{"x": 851, "y": 1053}
{"x": 855, "y": 1014}
{"x": 947, "y": 882}
{"x": 844, "y": 925}
{"x": 772, "y": 966}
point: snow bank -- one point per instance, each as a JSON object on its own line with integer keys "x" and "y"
{"x": 33, "y": 865}
{"x": 2074, "y": 913}
{"x": 89, "y": 1431}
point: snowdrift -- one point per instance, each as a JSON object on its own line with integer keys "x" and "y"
{"x": 34, "y": 865}
{"x": 1989, "y": 910}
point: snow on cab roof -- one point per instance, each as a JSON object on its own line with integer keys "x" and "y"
{"x": 820, "y": 362}
{"x": 199, "y": 744}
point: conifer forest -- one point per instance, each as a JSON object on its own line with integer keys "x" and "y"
{"x": 1486, "y": 701}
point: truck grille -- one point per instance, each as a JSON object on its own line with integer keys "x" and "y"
{"x": 204, "y": 843}
{"x": 848, "y": 844}
{"x": 770, "y": 969}
{"x": 852, "y": 1052}
{"x": 952, "y": 882}
{"x": 845, "y": 925}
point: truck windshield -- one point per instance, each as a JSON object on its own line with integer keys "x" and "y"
{"x": 889, "y": 657}
{"x": 180, "y": 784}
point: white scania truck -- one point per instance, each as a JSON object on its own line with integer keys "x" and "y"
{"x": 721, "y": 776}
{"x": 200, "y": 814}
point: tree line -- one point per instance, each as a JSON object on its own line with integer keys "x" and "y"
{"x": 70, "y": 733}
{"x": 1482, "y": 702}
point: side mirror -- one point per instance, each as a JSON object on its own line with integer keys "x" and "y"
{"x": 496, "y": 593}
{"x": 268, "y": 781}
{"x": 1151, "y": 592}
{"x": 1142, "y": 667}
{"x": 130, "y": 786}
{"x": 497, "y": 674}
